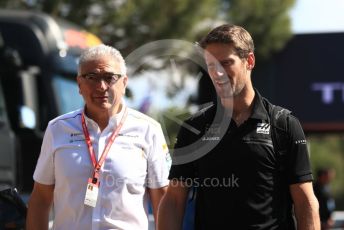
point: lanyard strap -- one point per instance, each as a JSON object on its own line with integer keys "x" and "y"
{"x": 98, "y": 165}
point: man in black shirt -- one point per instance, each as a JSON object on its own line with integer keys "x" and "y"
{"x": 242, "y": 180}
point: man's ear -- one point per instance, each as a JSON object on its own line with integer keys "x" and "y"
{"x": 125, "y": 83}
{"x": 251, "y": 61}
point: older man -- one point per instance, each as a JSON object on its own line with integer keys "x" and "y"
{"x": 99, "y": 165}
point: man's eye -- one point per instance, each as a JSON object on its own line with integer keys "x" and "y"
{"x": 109, "y": 78}
{"x": 226, "y": 63}
{"x": 211, "y": 66}
{"x": 90, "y": 76}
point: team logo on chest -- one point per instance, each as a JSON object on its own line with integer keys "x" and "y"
{"x": 263, "y": 128}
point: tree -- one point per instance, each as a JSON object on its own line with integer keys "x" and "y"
{"x": 269, "y": 24}
{"x": 130, "y": 24}
{"x": 267, "y": 21}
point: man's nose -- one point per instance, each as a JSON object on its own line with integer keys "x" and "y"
{"x": 101, "y": 84}
{"x": 219, "y": 71}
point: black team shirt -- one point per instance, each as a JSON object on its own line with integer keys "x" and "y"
{"x": 241, "y": 183}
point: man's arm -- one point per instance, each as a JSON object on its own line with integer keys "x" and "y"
{"x": 172, "y": 206}
{"x": 155, "y": 197}
{"x": 39, "y": 206}
{"x": 306, "y": 206}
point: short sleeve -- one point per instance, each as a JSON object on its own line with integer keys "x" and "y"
{"x": 299, "y": 167}
{"x": 44, "y": 172}
{"x": 159, "y": 160}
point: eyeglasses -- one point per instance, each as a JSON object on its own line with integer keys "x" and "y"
{"x": 108, "y": 78}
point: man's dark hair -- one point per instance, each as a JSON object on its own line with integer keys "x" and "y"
{"x": 230, "y": 34}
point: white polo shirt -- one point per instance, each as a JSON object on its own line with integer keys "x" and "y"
{"x": 137, "y": 159}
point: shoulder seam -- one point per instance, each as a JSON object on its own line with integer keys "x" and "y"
{"x": 202, "y": 111}
{"x": 64, "y": 118}
{"x": 142, "y": 116}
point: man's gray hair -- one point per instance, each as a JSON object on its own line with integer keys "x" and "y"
{"x": 100, "y": 51}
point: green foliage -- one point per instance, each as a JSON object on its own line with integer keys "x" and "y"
{"x": 170, "y": 120}
{"x": 137, "y": 22}
{"x": 129, "y": 24}
{"x": 328, "y": 151}
{"x": 267, "y": 21}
